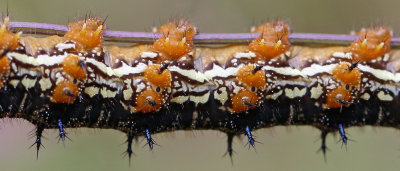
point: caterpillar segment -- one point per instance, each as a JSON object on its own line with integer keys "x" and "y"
{"x": 8, "y": 41}
{"x": 173, "y": 85}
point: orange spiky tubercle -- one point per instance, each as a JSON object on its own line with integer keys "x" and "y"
{"x": 177, "y": 39}
{"x": 8, "y": 40}
{"x": 373, "y": 43}
{"x": 75, "y": 67}
{"x": 88, "y": 33}
{"x": 244, "y": 100}
{"x": 252, "y": 76}
{"x": 347, "y": 75}
{"x": 149, "y": 101}
{"x": 5, "y": 65}
{"x": 158, "y": 76}
{"x": 65, "y": 92}
{"x": 273, "y": 40}
{"x": 338, "y": 98}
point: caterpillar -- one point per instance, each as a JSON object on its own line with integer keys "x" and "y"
{"x": 70, "y": 81}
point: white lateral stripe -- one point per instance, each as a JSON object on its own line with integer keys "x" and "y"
{"x": 218, "y": 71}
{"x": 126, "y": 69}
{"x": 192, "y": 74}
{"x": 316, "y": 69}
{"x": 284, "y": 71}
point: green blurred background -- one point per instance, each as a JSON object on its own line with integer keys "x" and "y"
{"x": 282, "y": 148}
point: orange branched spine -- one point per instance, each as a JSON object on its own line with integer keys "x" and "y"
{"x": 177, "y": 39}
{"x": 347, "y": 75}
{"x": 244, "y": 100}
{"x": 88, "y": 33}
{"x": 372, "y": 44}
{"x": 65, "y": 92}
{"x": 273, "y": 40}
{"x": 149, "y": 101}
{"x": 252, "y": 76}
{"x": 158, "y": 77}
{"x": 75, "y": 67}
